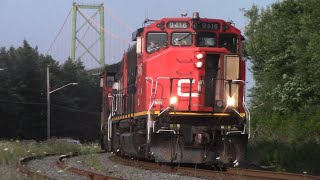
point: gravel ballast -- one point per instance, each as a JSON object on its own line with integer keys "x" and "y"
{"x": 113, "y": 169}
{"x": 99, "y": 163}
{"x": 47, "y": 167}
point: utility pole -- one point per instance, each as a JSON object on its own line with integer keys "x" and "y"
{"x": 48, "y": 103}
{"x": 48, "y": 99}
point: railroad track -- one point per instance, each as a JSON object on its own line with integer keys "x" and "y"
{"x": 232, "y": 173}
{"x": 91, "y": 175}
{"x": 22, "y": 167}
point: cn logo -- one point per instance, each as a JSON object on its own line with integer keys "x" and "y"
{"x": 187, "y": 81}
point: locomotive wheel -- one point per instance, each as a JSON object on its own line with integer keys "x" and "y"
{"x": 104, "y": 138}
{"x": 240, "y": 152}
{"x": 115, "y": 138}
{"x": 233, "y": 149}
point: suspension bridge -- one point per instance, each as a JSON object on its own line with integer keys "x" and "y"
{"x": 92, "y": 34}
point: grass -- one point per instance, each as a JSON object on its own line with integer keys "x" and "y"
{"x": 13, "y": 150}
{"x": 93, "y": 161}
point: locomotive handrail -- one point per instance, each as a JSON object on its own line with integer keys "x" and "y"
{"x": 148, "y": 113}
{"x": 190, "y": 88}
{"x": 249, "y": 118}
{"x": 122, "y": 96}
{"x": 116, "y": 104}
{"x": 112, "y": 104}
{"x": 152, "y": 100}
{"x": 150, "y": 104}
{"x": 109, "y": 123}
{"x": 166, "y": 109}
{"x": 155, "y": 91}
{"x": 245, "y": 107}
{"x": 166, "y": 130}
{"x": 109, "y": 127}
{"x": 230, "y": 132}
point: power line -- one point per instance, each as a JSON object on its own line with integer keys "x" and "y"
{"x": 19, "y": 102}
{"x": 58, "y": 106}
{"x": 75, "y": 110}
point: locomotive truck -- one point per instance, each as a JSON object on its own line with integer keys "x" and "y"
{"x": 178, "y": 94}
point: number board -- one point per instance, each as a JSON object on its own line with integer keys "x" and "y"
{"x": 208, "y": 26}
{"x": 178, "y": 24}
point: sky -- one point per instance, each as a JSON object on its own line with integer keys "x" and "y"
{"x": 39, "y": 21}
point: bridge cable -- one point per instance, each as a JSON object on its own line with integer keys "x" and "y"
{"x": 120, "y": 21}
{"x": 59, "y": 32}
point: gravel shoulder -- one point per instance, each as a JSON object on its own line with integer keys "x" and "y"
{"x": 99, "y": 163}
{"x": 103, "y": 165}
{"x": 46, "y": 166}
{"x": 10, "y": 172}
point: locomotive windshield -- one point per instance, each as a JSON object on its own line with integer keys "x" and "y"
{"x": 229, "y": 41}
{"x": 181, "y": 39}
{"x": 156, "y": 41}
{"x": 206, "y": 39}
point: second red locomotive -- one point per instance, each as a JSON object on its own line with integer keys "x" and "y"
{"x": 177, "y": 95}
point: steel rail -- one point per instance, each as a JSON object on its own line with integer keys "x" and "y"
{"x": 21, "y": 167}
{"x": 245, "y": 173}
{"x": 230, "y": 173}
{"x": 91, "y": 175}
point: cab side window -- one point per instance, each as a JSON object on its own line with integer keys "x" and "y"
{"x": 156, "y": 41}
{"x": 229, "y": 41}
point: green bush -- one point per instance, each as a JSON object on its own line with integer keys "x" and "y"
{"x": 12, "y": 151}
{"x": 294, "y": 157}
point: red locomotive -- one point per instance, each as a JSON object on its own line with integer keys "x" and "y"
{"x": 177, "y": 95}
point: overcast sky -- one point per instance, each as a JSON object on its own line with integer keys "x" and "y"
{"x": 39, "y": 21}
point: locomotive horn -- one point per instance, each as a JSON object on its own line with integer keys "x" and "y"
{"x": 195, "y": 16}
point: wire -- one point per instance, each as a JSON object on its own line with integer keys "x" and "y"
{"x": 105, "y": 30}
{"x": 75, "y": 110}
{"x": 120, "y": 21}
{"x": 19, "y": 102}
{"x": 59, "y": 32}
{"x": 55, "y": 105}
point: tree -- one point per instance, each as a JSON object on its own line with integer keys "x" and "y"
{"x": 284, "y": 47}
{"x": 82, "y": 102}
{"x": 75, "y": 111}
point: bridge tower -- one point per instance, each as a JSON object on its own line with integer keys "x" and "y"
{"x": 98, "y": 27}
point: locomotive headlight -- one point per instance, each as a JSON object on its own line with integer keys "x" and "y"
{"x": 199, "y": 56}
{"x": 230, "y": 102}
{"x": 199, "y": 64}
{"x": 173, "y": 100}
